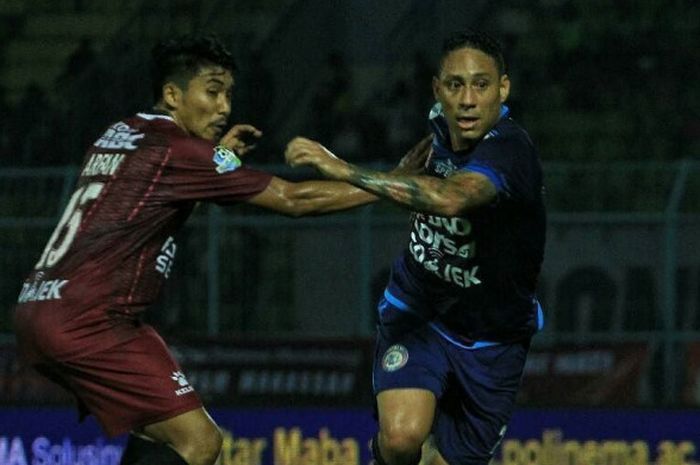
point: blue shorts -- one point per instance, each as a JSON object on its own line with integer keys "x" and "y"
{"x": 475, "y": 388}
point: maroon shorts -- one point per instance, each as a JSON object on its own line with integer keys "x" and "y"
{"x": 132, "y": 384}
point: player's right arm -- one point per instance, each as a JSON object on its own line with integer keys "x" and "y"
{"x": 310, "y": 197}
{"x": 319, "y": 197}
{"x": 451, "y": 196}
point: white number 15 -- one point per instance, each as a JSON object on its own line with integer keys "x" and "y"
{"x": 72, "y": 216}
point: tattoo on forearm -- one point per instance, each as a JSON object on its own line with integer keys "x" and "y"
{"x": 402, "y": 189}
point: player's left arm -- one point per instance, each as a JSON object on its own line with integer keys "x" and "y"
{"x": 451, "y": 196}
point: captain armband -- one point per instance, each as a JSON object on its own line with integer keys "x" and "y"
{"x": 226, "y": 159}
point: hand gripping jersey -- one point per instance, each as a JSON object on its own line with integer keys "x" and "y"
{"x": 115, "y": 243}
{"x": 474, "y": 276}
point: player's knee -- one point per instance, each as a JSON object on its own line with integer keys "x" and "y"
{"x": 403, "y": 443}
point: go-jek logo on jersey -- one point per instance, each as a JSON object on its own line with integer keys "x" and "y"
{"x": 444, "y": 247}
{"x": 119, "y": 136}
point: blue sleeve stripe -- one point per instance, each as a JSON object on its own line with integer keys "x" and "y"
{"x": 488, "y": 172}
{"x": 540, "y": 317}
{"x": 393, "y": 300}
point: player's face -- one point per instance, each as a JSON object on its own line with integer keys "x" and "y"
{"x": 471, "y": 92}
{"x": 204, "y": 107}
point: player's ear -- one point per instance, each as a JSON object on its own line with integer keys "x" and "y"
{"x": 436, "y": 87}
{"x": 504, "y": 88}
{"x": 172, "y": 95}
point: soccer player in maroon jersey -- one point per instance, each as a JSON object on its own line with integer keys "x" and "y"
{"x": 77, "y": 318}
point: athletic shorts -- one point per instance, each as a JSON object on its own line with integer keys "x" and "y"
{"x": 132, "y": 384}
{"x": 475, "y": 388}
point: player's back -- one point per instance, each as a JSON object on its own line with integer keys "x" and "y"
{"x": 107, "y": 258}
{"x": 113, "y": 244}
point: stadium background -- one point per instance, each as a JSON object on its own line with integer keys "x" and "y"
{"x": 272, "y": 317}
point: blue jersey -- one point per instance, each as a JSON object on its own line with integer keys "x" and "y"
{"x": 473, "y": 277}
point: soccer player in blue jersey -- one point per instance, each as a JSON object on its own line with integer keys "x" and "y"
{"x": 459, "y": 310}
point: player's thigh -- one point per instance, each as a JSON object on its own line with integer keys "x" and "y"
{"x": 135, "y": 383}
{"x": 193, "y": 427}
{"x": 406, "y": 411}
{"x": 474, "y": 411}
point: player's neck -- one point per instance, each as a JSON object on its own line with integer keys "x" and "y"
{"x": 162, "y": 110}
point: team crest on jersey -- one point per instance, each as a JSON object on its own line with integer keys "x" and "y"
{"x": 395, "y": 358}
{"x": 226, "y": 160}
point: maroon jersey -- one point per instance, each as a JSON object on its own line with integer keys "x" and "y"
{"x": 115, "y": 244}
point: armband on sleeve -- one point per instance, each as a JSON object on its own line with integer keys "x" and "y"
{"x": 226, "y": 159}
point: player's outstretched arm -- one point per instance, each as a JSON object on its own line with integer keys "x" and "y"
{"x": 321, "y": 197}
{"x": 450, "y": 196}
{"x": 310, "y": 197}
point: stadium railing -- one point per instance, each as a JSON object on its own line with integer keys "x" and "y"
{"x": 622, "y": 264}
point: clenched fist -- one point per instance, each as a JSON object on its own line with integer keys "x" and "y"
{"x": 306, "y": 152}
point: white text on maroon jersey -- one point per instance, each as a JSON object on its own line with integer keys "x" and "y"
{"x": 164, "y": 261}
{"x": 105, "y": 164}
{"x": 41, "y": 290}
{"x": 119, "y": 136}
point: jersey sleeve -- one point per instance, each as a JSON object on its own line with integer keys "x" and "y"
{"x": 190, "y": 173}
{"x": 510, "y": 164}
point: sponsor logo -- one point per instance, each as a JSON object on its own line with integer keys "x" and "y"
{"x": 444, "y": 167}
{"x": 395, "y": 358}
{"x": 225, "y": 159}
{"x": 180, "y": 379}
{"x": 443, "y": 246}
{"x": 290, "y": 381}
{"x": 166, "y": 258}
{"x": 14, "y": 450}
{"x": 41, "y": 290}
{"x": 119, "y": 136}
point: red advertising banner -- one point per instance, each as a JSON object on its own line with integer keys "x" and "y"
{"x": 691, "y": 388}
{"x": 301, "y": 372}
{"x": 590, "y": 375}
{"x": 250, "y": 372}
{"x": 337, "y": 372}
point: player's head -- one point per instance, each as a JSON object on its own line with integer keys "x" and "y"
{"x": 193, "y": 80}
{"x": 471, "y": 85}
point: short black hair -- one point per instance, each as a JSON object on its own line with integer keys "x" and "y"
{"x": 179, "y": 59}
{"x": 477, "y": 40}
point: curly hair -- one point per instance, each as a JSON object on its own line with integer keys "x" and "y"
{"x": 180, "y": 58}
{"x": 477, "y": 40}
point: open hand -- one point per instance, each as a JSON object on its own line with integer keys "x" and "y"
{"x": 415, "y": 159}
{"x": 241, "y": 138}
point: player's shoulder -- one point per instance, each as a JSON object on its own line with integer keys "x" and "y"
{"x": 508, "y": 135}
{"x": 154, "y": 123}
{"x": 164, "y": 128}
{"x": 507, "y": 129}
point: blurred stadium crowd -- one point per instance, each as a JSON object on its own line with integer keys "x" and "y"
{"x": 612, "y": 82}
{"x": 594, "y": 82}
